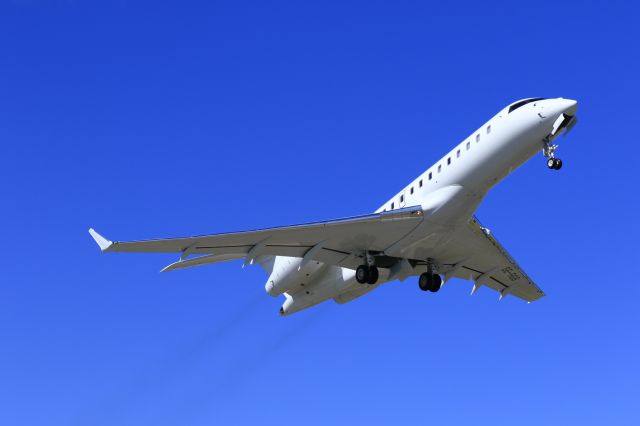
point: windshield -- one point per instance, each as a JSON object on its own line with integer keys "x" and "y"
{"x": 523, "y": 102}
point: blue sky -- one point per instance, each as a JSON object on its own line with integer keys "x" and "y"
{"x": 152, "y": 119}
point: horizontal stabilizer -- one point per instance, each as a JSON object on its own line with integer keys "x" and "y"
{"x": 102, "y": 242}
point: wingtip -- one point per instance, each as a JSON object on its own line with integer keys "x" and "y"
{"x": 102, "y": 242}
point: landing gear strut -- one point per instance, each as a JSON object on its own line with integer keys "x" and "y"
{"x": 549, "y": 151}
{"x": 368, "y": 273}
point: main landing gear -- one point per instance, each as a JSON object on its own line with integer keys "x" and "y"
{"x": 549, "y": 151}
{"x": 367, "y": 273}
{"x": 430, "y": 282}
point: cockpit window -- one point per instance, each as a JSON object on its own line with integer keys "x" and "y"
{"x": 524, "y": 102}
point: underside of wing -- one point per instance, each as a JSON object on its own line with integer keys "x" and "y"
{"x": 474, "y": 254}
{"x": 334, "y": 242}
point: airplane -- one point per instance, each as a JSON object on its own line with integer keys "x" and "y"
{"x": 428, "y": 229}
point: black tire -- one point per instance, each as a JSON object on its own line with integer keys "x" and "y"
{"x": 436, "y": 283}
{"x": 373, "y": 275}
{"x": 558, "y": 164}
{"x": 362, "y": 274}
{"x": 551, "y": 163}
{"x": 425, "y": 281}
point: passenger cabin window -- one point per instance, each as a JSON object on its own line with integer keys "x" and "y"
{"x": 458, "y": 154}
{"x": 420, "y": 183}
{"x": 518, "y": 104}
{"x": 478, "y": 137}
{"x": 468, "y": 146}
{"x": 489, "y": 129}
{"x": 391, "y": 206}
{"x": 412, "y": 190}
{"x": 402, "y": 198}
{"x": 439, "y": 168}
{"x": 448, "y": 161}
{"x": 430, "y": 174}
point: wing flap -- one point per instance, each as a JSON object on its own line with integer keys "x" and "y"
{"x": 201, "y": 260}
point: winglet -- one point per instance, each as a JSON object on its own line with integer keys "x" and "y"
{"x": 102, "y": 242}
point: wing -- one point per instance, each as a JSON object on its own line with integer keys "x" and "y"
{"x": 335, "y": 242}
{"x": 474, "y": 254}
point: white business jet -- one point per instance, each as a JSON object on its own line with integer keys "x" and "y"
{"x": 427, "y": 229}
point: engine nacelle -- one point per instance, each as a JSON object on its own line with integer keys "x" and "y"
{"x": 305, "y": 299}
{"x": 330, "y": 282}
{"x": 287, "y": 275}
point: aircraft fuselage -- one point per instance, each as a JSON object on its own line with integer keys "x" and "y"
{"x": 449, "y": 192}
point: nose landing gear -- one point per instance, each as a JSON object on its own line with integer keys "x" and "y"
{"x": 554, "y": 163}
{"x": 549, "y": 151}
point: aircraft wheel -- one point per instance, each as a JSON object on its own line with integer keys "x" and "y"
{"x": 551, "y": 163}
{"x": 373, "y": 275}
{"x": 436, "y": 283}
{"x": 362, "y": 274}
{"x": 558, "y": 164}
{"x": 425, "y": 281}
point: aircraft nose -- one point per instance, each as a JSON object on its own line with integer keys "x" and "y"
{"x": 568, "y": 106}
{"x": 563, "y": 114}
{"x": 554, "y": 108}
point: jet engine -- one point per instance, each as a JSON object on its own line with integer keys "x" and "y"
{"x": 289, "y": 273}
